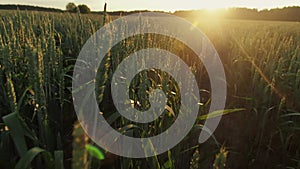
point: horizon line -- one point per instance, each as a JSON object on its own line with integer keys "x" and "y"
{"x": 159, "y": 10}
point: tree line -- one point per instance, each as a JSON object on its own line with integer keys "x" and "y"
{"x": 70, "y": 7}
{"x": 28, "y": 8}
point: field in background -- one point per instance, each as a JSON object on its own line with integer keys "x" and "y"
{"x": 38, "y": 123}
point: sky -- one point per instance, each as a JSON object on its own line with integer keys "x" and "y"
{"x": 162, "y": 5}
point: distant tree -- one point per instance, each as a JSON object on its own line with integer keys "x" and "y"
{"x": 84, "y": 9}
{"x": 71, "y": 7}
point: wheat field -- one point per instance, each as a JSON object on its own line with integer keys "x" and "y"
{"x": 38, "y": 125}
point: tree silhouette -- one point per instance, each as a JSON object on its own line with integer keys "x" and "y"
{"x": 71, "y": 7}
{"x": 84, "y": 9}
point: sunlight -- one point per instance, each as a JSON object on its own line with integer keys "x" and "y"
{"x": 171, "y": 5}
{"x": 165, "y": 5}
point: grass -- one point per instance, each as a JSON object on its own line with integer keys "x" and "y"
{"x": 38, "y": 52}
